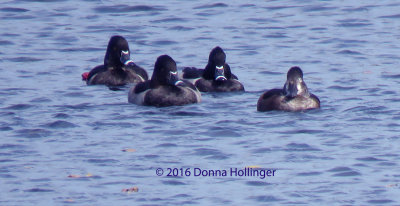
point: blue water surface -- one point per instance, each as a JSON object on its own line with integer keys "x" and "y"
{"x": 63, "y": 142}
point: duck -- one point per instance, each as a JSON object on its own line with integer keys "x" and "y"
{"x": 118, "y": 68}
{"x": 217, "y": 75}
{"x": 294, "y": 96}
{"x": 165, "y": 88}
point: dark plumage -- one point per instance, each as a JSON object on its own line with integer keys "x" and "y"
{"x": 216, "y": 77}
{"x": 118, "y": 68}
{"x": 293, "y": 97}
{"x": 165, "y": 88}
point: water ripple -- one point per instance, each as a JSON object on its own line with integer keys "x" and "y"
{"x": 59, "y": 124}
{"x": 172, "y": 19}
{"x": 5, "y": 128}
{"x": 13, "y": 9}
{"x": 317, "y": 8}
{"x": 380, "y": 201}
{"x": 210, "y": 153}
{"x": 279, "y": 7}
{"x": 19, "y": 107}
{"x": 348, "y": 24}
{"x": 349, "y": 52}
{"x": 103, "y": 162}
{"x": 24, "y": 59}
{"x": 300, "y": 147}
{"x": 369, "y": 159}
{"x": 210, "y": 6}
{"x": 265, "y": 198}
{"x": 257, "y": 183}
{"x": 347, "y": 174}
{"x": 126, "y": 8}
{"x": 304, "y": 131}
{"x": 5, "y": 43}
{"x": 38, "y": 190}
{"x": 309, "y": 174}
{"x": 181, "y": 28}
{"x": 395, "y": 16}
{"x": 173, "y": 182}
{"x": 33, "y": 133}
{"x": 344, "y": 88}
{"x": 344, "y": 172}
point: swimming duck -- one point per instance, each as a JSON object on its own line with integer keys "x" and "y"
{"x": 293, "y": 97}
{"x": 118, "y": 68}
{"x": 165, "y": 88}
{"x": 216, "y": 77}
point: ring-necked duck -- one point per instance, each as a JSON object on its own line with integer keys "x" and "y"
{"x": 165, "y": 88}
{"x": 118, "y": 68}
{"x": 216, "y": 77}
{"x": 293, "y": 97}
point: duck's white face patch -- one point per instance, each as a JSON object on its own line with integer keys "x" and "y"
{"x": 220, "y": 78}
{"x": 178, "y": 83}
{"x": 219, "y": 73}
{"x": 174, "y": 79}
{"x": 125, "y": 57}
{"x": 130, "y": 61}
{"x": 301, "y": 87}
